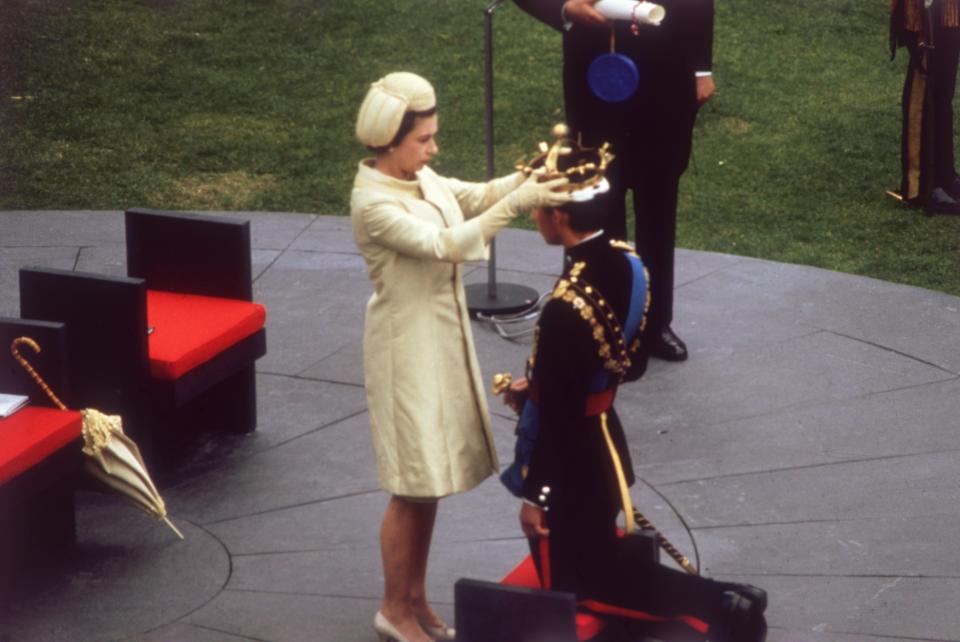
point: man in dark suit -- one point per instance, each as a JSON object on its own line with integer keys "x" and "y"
{"x": 651, "y": 132}
{"x": 932, "y": 36}
{"x": 577, "y": 477}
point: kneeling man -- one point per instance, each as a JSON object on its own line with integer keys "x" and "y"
{"x": 573, "y": 467}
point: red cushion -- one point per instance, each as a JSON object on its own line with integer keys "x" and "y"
{"x": 525, "y": 574}
{"x": 189, "y": 330}
{"x": 31, "y": 434}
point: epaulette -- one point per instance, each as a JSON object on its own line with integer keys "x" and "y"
{"x": 623, "y": 246}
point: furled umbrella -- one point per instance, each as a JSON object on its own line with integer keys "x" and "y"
{"x": 112, "y": 457}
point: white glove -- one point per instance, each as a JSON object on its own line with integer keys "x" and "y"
{"x": 529, "y": 196}
{"x": 533, "y": 194}
{"x": 506, "y": 184}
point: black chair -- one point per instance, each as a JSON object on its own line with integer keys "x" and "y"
{"x": 37, "y": 505}
{"x": 107, "y": 320}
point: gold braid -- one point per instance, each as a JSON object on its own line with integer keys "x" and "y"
{"x": 577, "y": 292}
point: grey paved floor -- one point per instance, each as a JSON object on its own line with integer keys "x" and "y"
{"x": 809, "y": 445}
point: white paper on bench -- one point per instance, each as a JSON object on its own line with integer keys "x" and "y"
{"x": 9, "y": 404}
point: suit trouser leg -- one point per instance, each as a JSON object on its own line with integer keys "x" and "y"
{"x": 655, "y": 209}
{"x": 944, "y": 78}
{"x": 927, "y": 153}
{"x": 615, "y": 221}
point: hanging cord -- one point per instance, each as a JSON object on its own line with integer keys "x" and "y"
{"x": 33, "y": 373}
{"x": 629, "y": 509}
{"x": 502, "y": 323}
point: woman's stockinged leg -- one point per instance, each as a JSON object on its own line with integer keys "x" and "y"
{"x": 423, "y": 537}
{"x": 404, "y": 544}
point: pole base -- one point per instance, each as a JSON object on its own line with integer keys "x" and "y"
{"x": 510, "y": 299}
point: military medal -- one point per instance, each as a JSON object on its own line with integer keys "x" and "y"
{"x": 613, "y": 77}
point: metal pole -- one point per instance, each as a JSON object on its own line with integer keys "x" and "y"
{"x": 505, "y": 298}
{"x": 488, "y": 94}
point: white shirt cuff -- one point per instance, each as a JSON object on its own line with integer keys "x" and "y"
{"x": 702, "y": 74}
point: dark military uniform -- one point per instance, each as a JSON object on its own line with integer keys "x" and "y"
{"x": 579, "y": 466}
{"x": 927, "y": 155}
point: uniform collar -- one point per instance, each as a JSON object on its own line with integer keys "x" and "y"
{"x": 587, "y": 246}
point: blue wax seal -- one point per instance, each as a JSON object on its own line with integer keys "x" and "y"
{"x": 613, "y": 77}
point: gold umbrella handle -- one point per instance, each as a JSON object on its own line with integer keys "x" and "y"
{"x": 679, "y": 558}
{"x": 33, "y": 373}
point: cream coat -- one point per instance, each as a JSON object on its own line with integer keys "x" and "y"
{"x": 428, "y": 409}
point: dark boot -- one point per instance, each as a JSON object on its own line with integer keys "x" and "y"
{"x": 740, "y": 620}
{"x": 756, "y": 594}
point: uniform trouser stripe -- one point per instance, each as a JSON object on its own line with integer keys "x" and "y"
{"x": 545, "y": 579}
{"x": 916, "y": 91}
{"x": 609, "y": 609}
{"x": 621, "y": 477}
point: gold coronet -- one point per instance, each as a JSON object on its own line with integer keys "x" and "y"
{"x": 584, "y": 167}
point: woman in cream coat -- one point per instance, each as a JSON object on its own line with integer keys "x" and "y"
{"x": 428, "y": 411}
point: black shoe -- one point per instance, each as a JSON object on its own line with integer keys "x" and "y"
{"x": 940, "y": 202}
{"x": 740, "y": 620}
{"x": 668, "y": 346}
{"x": 754, "y": 593}
{"x": 953, "y": 188}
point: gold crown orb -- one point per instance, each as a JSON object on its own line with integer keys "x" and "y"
{"x": 584, "y": 167}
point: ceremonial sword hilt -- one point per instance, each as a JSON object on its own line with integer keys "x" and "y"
{"x": 501, "y": 381}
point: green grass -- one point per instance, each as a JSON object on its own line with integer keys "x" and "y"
{"x": 250, "y": 104}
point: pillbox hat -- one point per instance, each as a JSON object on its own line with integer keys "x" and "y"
{"x": 387, "y": 100}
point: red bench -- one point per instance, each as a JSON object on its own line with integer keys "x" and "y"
{"x": 171, "y": 347}
{"x": 32, "y": 435}
{"x": 40, "y": 448}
